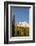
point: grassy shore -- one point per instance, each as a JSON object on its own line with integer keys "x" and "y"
{"x": 21, "y": 31}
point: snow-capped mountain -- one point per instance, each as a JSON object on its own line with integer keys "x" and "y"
{"x": 23, "y": 24}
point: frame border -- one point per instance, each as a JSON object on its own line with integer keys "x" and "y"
{"x": 6, "y": 41}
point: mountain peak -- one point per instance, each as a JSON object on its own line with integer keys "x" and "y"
{"x": 23, "y": 24}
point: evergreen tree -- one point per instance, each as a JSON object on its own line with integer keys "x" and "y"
{"x": 13, "y": 25}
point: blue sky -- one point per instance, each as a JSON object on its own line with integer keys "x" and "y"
{"x": 21, "y": 14}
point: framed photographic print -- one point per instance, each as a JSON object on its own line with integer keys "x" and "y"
{"x": 19, "y": 22}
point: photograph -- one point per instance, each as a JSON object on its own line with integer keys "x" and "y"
{"x": 20, "y": 21}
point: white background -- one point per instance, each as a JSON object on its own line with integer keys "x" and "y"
{"x": 2, "y": 24}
